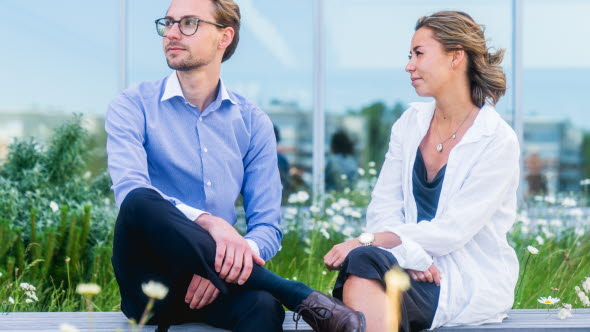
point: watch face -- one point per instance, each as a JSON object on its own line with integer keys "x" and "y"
{"x": 366, "y": 238}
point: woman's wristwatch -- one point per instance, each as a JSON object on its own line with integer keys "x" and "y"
{"x": 366, "y": 239}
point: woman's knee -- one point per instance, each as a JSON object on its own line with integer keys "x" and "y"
{"x": 362, "y": 254}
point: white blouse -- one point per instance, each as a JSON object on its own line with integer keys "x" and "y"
{"x": 466, "y": 240}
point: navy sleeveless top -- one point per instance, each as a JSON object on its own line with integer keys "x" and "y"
{"x": 426, "y": 193}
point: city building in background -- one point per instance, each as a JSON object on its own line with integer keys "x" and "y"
{"x": 70, "y": 66}
{"x": 552, "y": 154}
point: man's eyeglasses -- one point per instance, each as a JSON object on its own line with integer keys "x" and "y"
{"x": 188, "y": 25}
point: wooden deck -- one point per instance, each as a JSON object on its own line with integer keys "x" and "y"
{"x": 527, "y": 320}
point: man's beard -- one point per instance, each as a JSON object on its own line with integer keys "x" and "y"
{"x": 186, "y": 65}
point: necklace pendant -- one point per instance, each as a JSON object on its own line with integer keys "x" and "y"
{"x": 439, "y": 147}
{"x": 454, "y": 136}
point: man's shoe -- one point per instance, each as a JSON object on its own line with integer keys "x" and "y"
{"x": 327, "y": 314}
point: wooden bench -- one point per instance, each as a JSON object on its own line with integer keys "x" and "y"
{"x": 525, "y": 320}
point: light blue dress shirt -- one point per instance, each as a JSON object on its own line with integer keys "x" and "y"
{"x": 199, "y": 161}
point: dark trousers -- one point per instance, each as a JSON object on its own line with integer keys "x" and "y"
{"x": 155, "y": 241}
{"x": 419, "y": 302}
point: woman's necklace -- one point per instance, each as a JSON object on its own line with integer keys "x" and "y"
{"x": 439, "y": 147}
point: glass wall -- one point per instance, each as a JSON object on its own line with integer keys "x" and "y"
{"x": 367, "y": 86}
{"x": 555, "y": 82}
{"x": 56, "y": 60}
{"x": 63, "y": 58}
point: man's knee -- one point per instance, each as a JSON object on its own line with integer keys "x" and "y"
{"x": 136, "y": 199}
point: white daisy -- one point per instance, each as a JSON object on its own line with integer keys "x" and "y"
{"x": 68, "y": 328}
{"x": 532, "y": 250}
{"x": 27, "y": 286}
{"x": 338, "y": 220}
{"x": 564, "y": 313}
{"x": 155, "y": 290}
{"x": 303, "y": 196}
{"x": 53, "y": 206}
{"x": 548, "y": 300}
{"x": 88, "y": 289}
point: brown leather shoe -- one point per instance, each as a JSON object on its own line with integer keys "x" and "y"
{"x": 327, "y": 314}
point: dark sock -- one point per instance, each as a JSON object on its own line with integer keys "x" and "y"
{"x": 290, "y": 292}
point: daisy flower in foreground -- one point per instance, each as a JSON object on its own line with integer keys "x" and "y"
{"x": 68, "y": 328}
{"x": 532, "y": 250}
{"x": 564, "y": 313}
{"x": 155, "y": 290}
{"x": 88, "y": 289}
{"x": 548, "y": 300}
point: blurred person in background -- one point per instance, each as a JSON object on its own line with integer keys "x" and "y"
{"x": 341, "y": 164}
{"x": 283, "y": 164}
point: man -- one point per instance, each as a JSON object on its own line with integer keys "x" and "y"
{"x": 180, "y": 151}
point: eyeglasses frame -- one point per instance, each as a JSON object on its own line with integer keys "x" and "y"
{"x": 180, "y": 29}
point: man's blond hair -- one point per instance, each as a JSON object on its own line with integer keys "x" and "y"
{"x": 227, "y": 13}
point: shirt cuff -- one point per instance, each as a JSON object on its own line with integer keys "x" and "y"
{"x": 190, "y": 212}
{"x": 410, "y": 255}
{"x": 253, "y": 246}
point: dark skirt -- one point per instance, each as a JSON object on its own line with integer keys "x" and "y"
{"x": 419, "y": 302}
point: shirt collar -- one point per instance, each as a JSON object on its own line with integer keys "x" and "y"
{"x": 173, "y": 89}
{"x": 484, "y": 125}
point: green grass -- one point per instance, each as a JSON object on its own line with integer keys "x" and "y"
{"x": 560, "y": 265}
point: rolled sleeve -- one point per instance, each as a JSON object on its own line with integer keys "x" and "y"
{"x": 190, "y": 212}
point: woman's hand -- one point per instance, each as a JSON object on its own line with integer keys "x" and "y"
{"x": 336, "y": 256}
{"x": 430, "y": 275}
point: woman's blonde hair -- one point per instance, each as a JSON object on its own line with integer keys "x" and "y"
{"x": 456, "y": 30}
{"x": 227, "y": 13}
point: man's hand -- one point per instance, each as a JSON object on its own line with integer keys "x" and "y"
{"x": 233, "y": 256}
{"x": 430, "y": 275}
{"x": 336, "y": 256}
{"x": 200, "y": 293}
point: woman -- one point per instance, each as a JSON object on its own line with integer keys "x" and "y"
{"x": 446, "y": 196}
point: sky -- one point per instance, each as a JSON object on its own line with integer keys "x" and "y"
{"x": 63, "y": 55}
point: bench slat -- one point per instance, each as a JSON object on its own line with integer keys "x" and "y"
{"x": 522, "y": 320}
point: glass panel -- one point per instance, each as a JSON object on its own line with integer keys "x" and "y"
{"x": 55, "y": 63}
{"x": 272, "y": 67}
{"x": 367, "y": 86}
{"x": 556, "y": 68}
